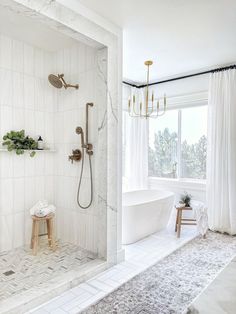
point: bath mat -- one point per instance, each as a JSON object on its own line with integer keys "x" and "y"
{"x": 173, "y": 283}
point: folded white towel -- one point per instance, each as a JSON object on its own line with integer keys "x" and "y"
{"x": 42, "y": 209}
{"x": 38, "y": 205}
{"x": 42, "y": 212}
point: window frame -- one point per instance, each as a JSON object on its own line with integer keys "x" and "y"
{"x": 179, "y": 108}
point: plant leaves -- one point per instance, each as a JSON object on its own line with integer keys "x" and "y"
{"x": 16, "y": 140}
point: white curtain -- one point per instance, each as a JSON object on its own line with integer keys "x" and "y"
{"x": 221, "y": 160}
{"x": 136, "y": 149}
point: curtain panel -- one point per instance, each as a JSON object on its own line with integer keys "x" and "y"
{"x": 136, "y": 149}
{"x": 221, "y": 157}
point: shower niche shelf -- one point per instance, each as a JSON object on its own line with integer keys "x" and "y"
{"x": 30, "y": 150}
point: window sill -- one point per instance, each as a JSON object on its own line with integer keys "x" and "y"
{"x": 179, "y": 183}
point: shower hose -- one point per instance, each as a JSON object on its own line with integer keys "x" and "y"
{"x": 80, "y": 181}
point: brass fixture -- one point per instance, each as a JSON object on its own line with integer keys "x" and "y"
{"x": 59, "y": 82}
{"x": 88, "y": 148}
{"x": 76, "y": 155}
{"x": 146, "y": 111}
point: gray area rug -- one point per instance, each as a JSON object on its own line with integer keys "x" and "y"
{"x": 170, "y": 286}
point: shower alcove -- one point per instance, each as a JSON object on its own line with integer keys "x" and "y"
{"x": 38, "y": 38}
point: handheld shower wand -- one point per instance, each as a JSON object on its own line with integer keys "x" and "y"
{"x": 86, "y": 147}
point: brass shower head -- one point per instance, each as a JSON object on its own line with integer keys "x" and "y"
{"x": 58, "y": 81}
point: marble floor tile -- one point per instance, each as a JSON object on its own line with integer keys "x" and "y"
{"x": 20, "y": 270}
{"x": 139, "y": 256}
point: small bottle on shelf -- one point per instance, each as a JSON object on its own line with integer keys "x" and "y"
{"x": 40, "y": 143}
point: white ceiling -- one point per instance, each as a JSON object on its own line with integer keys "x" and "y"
{"x": 180, "y": 36}
{"x": 32, "y": 31}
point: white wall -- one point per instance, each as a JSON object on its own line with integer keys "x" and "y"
{"x": 26, "y": 102}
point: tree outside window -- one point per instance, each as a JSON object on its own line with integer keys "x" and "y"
{"x": 178, "y": 144}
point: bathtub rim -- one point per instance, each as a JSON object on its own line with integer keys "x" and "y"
{"x": 160, "y": 198}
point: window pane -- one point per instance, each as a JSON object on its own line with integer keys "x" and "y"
{"x": 194, "y": 142}
{"x": 162, "y": 155}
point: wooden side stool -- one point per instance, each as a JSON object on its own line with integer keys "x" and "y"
{"x": 35, "y": 232}
{"x": 182, "y": 221}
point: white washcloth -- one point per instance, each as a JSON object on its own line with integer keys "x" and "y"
{"x": 42, "y": 209}
{"x": 42, "y": 212}
{"x": 38, "y": 205}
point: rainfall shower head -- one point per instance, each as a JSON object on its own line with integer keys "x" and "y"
{"x": 58, "y": 81}
{"x": 55, "y": 81}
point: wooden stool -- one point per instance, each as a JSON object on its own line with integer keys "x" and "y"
{"x": 181, "y": 221}
{"x": 35, "y": 232}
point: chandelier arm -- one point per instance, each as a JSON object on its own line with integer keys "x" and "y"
{"x": 134, "y": 116}
{"x": 134, "y": 110}
{"x": 151, "y": 110}
{"x": 161, "y": 114}
{"x": 147, "y": 91}
{"x": 129, "y": 109}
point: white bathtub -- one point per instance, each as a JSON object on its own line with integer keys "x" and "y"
{"x": 145, "y": 212}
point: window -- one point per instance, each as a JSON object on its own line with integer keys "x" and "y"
{"x": 193, "y": 142}
{"x": 163, "y": 142}
{"x": 177, "y": 144}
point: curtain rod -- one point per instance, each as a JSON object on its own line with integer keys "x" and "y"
{"x": 183, "y": 77}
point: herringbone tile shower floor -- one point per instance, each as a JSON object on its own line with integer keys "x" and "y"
{"x": 20, "y": 270}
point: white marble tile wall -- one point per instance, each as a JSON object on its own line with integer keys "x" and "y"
{"x": 74, "y": 224}
{"x": 26, "y": 102}
{"x": 80, "y": 26}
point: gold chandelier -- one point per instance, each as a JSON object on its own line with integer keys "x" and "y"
{"x": 149, "y": 109}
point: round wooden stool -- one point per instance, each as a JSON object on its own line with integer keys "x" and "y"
{"x": 35, "y": 232}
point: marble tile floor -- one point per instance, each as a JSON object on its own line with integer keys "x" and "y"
{"x": 22, "y": 273}
{"x": 139, "y": 256}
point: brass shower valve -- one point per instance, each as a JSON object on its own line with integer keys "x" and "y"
{"x": 76, "y": 155}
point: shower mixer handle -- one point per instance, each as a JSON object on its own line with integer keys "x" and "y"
{"x": 76, "y": 156}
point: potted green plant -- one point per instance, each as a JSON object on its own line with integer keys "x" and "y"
{"x": 18, "y": 142}
{"x": 186, "y": 199}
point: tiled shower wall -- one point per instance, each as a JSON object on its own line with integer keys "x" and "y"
{"x": 75, "y": 225}
{"x": 27, "y": 101}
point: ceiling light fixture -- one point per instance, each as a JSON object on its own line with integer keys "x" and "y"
{"x": 149, "y": 109}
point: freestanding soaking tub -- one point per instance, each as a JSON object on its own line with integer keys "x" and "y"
{"x": 145, "y": 212}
